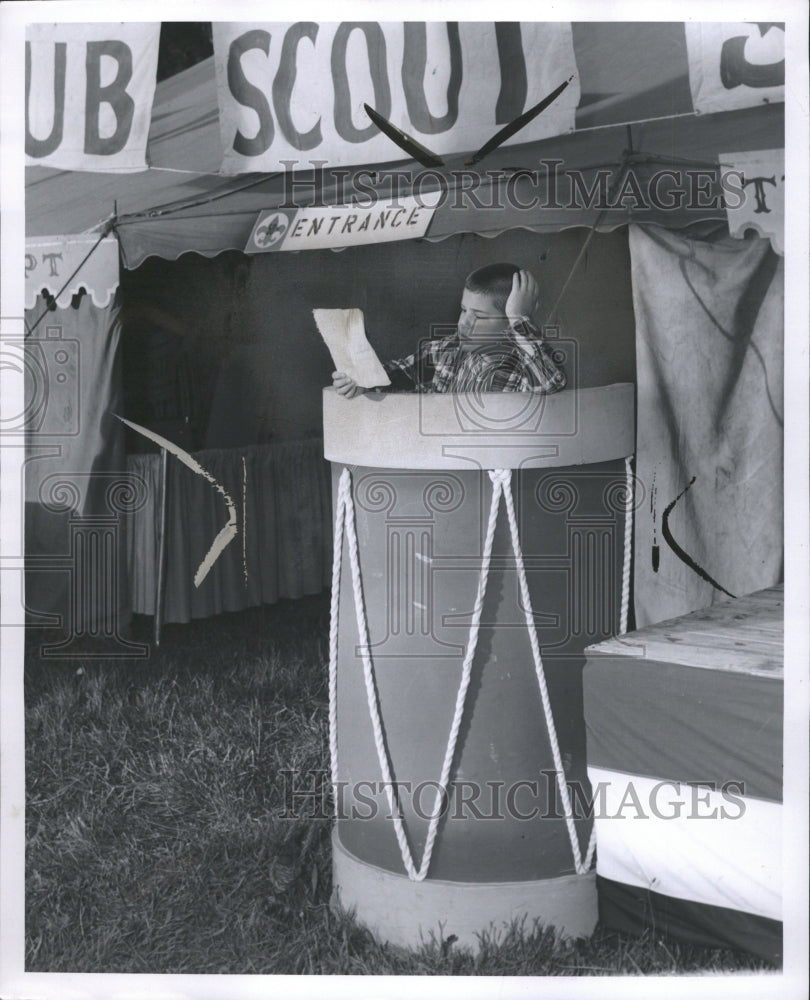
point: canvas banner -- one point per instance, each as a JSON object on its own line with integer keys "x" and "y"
{"x": 760, "y": 203}
{"x": 293, "y": 94}
{"x": 735, "y": 65}
{"x": 709, "y": 348}
{"x": 88, "y": 95}
{"x": 61, "y": 265}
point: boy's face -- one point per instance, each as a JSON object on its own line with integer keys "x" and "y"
{"x": 480, "y": 322}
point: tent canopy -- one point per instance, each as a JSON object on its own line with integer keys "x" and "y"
{"x": 629, "y": 73}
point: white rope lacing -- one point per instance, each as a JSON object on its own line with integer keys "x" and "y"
{"x": 580, "y": 866}
{"x": 344, "y": 490}
{"x": 625, "y": 605}
{"x": 345, "y": 516}
{"x": 628, "y": 543}
{"x": 344, "y": 519}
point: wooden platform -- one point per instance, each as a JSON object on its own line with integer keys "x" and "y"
{"x": 694, "y": 703}
{"x": 745, "y": 635}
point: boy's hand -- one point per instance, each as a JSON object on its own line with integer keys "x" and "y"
{"x": 346, "y": 386}
{"x": 524, "y": 298}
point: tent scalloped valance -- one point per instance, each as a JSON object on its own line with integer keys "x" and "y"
{"x": 57, "y": 265}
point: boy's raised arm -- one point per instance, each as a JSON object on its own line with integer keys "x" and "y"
{"x": 523, "y": 299}
{"x": 542, "y": 370}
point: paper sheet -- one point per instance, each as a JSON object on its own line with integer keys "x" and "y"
{"x": 344, "y": 333}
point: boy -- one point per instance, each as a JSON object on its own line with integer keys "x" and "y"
{"x": 496, "y": 347}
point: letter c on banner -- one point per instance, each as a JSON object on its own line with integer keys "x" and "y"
{"x": 375, "y": 42}
{"x": 284, "y": 83}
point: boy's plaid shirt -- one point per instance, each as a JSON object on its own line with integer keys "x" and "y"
{"x": 440, "y": 365}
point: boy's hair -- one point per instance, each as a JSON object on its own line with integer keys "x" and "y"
{"x": 493, "y": 279}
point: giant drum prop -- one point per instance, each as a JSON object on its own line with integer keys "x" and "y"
{"x": 452, "y": 815}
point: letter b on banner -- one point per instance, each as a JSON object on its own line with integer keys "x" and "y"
{"x": 114, "y": 95}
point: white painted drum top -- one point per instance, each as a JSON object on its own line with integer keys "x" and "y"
{"x": 494, "y": 430}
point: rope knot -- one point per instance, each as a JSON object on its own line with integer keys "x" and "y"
{"x": 502, "y": 476}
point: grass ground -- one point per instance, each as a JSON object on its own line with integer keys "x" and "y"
{"x": 155, "y": 841}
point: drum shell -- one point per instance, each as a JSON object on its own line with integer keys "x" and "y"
{"x": 420, "y": 545}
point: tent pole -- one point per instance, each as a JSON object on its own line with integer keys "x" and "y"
{"x": 161, "y": 558}
{"x": 624, "y": 166}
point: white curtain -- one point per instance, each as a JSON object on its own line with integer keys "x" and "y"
{"x": 709, "y": 343}
{"x": 76, "y": 487}
{"x": 283, "y": 545}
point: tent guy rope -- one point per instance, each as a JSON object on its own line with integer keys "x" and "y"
{"x": 108, "y": 226}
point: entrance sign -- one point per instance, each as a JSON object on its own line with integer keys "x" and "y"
{"x": 290, "y": 94}
{"x": 88, "y": 95}
{"x": 334, "y": 226}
